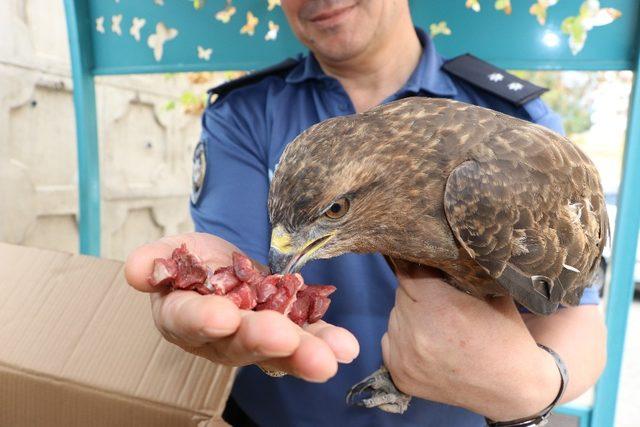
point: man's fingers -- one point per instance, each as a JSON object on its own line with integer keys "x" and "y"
{"x": 261, "y": 335}
{"x": 213, "y": 327}
{"x": 194, "y": 319}
{"x": 344, "y": 345}
{"x": 210, "y": 249}
{"x": 312, "y": 361}
{"x": 139, "y": 264}
{"x": 322, "y": 346}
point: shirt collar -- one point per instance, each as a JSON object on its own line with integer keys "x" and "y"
{"x": 307, "y": 69}
{"x": 428, "y": 75}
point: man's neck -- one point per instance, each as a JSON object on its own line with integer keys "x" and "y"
{"x": 371, "y": 77}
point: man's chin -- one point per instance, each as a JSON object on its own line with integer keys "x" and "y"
{"x": 336, "y": 47}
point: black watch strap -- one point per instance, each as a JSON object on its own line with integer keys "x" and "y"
{"x": 541, "y": 418}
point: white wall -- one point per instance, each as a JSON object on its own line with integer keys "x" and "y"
{"x": 145, "y": 149}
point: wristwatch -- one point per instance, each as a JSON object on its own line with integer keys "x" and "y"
{"x": 542, "y": 417}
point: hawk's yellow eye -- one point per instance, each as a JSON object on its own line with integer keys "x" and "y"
{"x": 338, "y": 209}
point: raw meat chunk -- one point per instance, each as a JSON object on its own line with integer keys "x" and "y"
{"x": 245, "y": 285}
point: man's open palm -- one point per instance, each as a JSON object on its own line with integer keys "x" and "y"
{"x": 212, "y": 326}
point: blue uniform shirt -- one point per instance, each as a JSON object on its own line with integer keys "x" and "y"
{"x": 245, "y": 133}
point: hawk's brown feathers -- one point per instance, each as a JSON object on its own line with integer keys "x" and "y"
{"x": 499, "y": 204}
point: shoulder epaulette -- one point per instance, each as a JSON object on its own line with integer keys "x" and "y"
{"x": 279, "y": 69}
{"x": 493, "y": 79}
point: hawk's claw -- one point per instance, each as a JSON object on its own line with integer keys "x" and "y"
{"x": 378, "y": 390}
{"x": 358, "y": 389}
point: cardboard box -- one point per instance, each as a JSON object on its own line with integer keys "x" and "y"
{"x": 78, "y": 347}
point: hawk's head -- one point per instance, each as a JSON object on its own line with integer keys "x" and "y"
{"x": 336, "y": 188}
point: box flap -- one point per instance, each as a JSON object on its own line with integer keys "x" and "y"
{"x": 73, "y": 320}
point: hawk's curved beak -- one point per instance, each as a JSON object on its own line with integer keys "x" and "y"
{"x": 281, "y": 263}
{"x": 284, "y": 258}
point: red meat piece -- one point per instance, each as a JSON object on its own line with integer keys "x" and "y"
{"x": 267, "y": 287}
{"x": 202, "y": 289}
{"x": 181, "y": 271}
{"x": 319, "y": 290}
{"x": 222, "y": 281}
{"x": 243, "y": 296}
{"x": 284, "y": 297}
{"x": 319, "y": 308}
{"x": 300, "y": 310}
{"x": 245, "y": 285}
{"x": 245, "y": 269}
{"x": 311, "y": 304}
{"x": 164, "y": 272}
{"x": 292, "y": 283}
{"x": 190, "y": 271}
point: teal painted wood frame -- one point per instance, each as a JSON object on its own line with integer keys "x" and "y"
{"x": 614, "y": 47}
{"x": 623, "y": 262}
{"x": 516, "y": 41}
{"x": 84, "y": 99}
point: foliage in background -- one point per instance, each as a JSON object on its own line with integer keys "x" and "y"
{"x": 569, "y": 95}
{"x": 194, "y": 101}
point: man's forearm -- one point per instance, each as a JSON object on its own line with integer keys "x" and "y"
{"x": 578, "y": 335}
{"x": 481, "y": 354}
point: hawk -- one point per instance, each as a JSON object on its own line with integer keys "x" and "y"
{"x": 500, "y": 205}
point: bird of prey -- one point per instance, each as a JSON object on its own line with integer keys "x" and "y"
{"x": 500, "y": 205}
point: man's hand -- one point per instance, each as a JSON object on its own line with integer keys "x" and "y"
{"x": 214, "y": 328}
{"x": 447, "y": 346}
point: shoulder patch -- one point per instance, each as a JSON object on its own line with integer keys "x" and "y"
{"x": 199, "y": 170}
{"x": 279, "y": 69}
{"x": 493, "y": 79}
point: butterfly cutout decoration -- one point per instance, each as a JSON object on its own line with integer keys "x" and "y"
{"x": 198, "y": 4}
{"x": 273, "y": 4}
{"x": 250, "y": 27}
{"x": 100, "y": 24}
{"x": 204, "y": 53}
{"x": 136, "y": 25}
{"x": 225, "y": 14}
{"x": 115, "y": 24}
{"x": 159, "y": 2}
{"x": 504, "y": 5}
{"x": 473, "y": 5}
{"x": 157, "y": 40}
{"x": 439, "y": 28}
{"x": 272, "y": 34}
{"x": 539, "y": 10}
{"x": 590, "y": 15}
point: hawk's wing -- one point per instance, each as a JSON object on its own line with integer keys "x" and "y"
{"x": 531, "y": 226}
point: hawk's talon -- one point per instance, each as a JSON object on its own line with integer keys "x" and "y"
{"x": 394, "y": 403}
{"x": 358, "y": 389}
{"x": 378, "y": 391}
